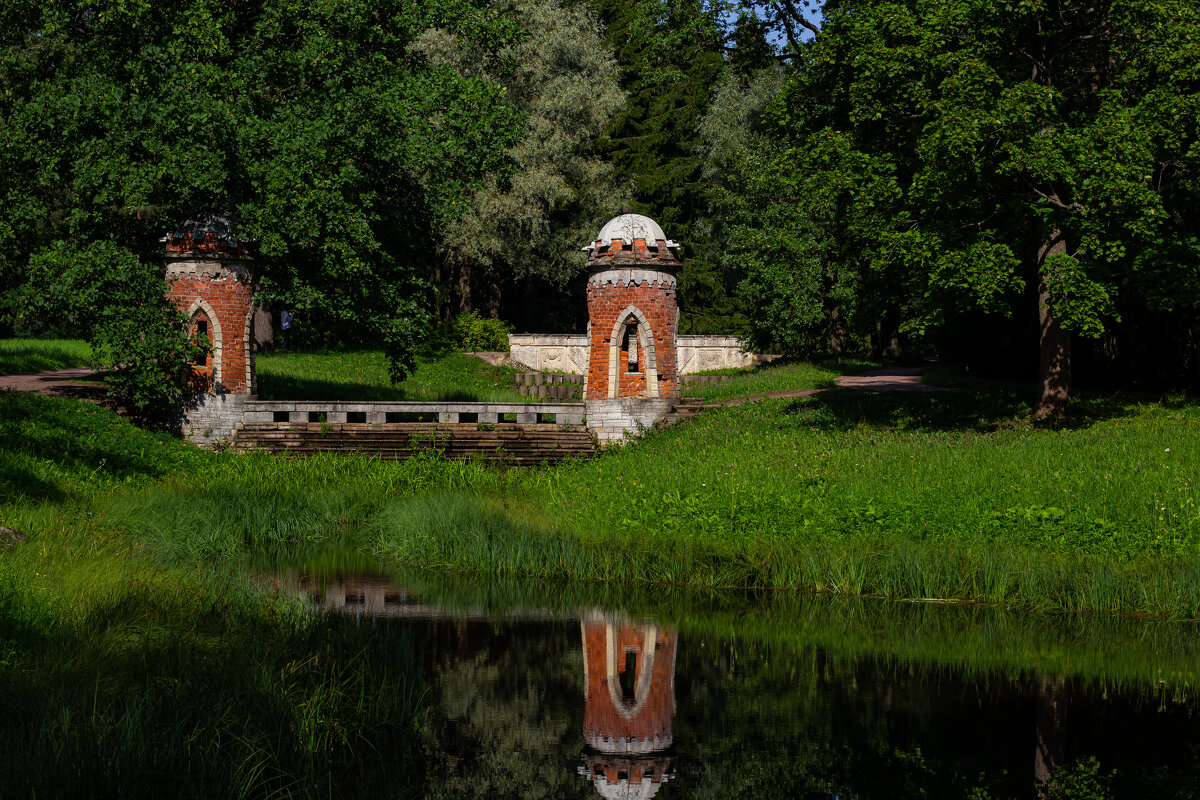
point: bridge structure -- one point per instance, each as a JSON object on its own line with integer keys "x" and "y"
{"x": 632, "y": 380}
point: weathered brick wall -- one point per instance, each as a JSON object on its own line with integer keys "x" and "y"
{"x": 223, "y": 291}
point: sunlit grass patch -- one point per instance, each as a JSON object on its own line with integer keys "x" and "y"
{"x": 40, "y": 355}
{"x": 363, "y": 375}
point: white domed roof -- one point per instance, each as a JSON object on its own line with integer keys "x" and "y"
{"x": 628, "y": 227}
{"x": 625, "y": 790}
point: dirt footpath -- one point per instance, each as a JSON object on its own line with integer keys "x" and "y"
{"x": 892, "y": 379}
{"x": 60, "y": 382}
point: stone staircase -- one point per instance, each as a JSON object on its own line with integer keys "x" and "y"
{"x": 500, "y": 443}
{"x": 685, "y": 408}
{"x": 550, "y": 385}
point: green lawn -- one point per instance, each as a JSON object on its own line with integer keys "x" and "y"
{"x": 947, "y": 497}
{"x": 363, "y": 375}
{"x": 40, "y": 355}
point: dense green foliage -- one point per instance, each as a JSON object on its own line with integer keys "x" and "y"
{"x": 139, "y": 340}
{"x": 654, "y": 146}
{"x": 471, "y": 332}
{"x": 940, "y": 166}
{"x": 348, "y": 145}
{"x": 524, "y": 225}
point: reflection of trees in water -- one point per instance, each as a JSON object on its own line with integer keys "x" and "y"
{"x": 508, "y": 718}
{"x": 769, "y": 722}
{"x": 506, "y": 721}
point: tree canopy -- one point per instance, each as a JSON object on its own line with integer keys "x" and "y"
{"x": 950, "y": 156}
{"x": 348, "y": 150}
{"x": 908, "y": 168}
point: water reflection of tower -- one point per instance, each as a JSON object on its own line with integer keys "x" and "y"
{"x": 629, "y": 689}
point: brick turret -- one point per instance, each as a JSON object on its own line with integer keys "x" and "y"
{"x": 633, "y": 315}
{"x": 209, "y": 271}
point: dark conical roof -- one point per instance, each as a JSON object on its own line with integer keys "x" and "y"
{"x": 209, "y": 230}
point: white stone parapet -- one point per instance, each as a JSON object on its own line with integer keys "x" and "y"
{"x": 550, "y": 352}
{"x": 377, "y": 413}
{"x": 569, "y": 352}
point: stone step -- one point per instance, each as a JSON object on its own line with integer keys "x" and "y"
{"x": 507, "y": 443}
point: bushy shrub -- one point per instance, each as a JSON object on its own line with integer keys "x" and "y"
{"x": 139, "y": 339}
{"x": 469, "y": 331}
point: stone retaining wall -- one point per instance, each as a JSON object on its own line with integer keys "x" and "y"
{"x": 210, "y": 420}
{"x": 569, "y": 353}
{"x": 616, "y": 420}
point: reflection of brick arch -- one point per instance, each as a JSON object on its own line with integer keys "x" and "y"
{"x": 645, "y": 342}
{"x": 198, "y": 305}
{"x": 636, "y": 718}
{"x": 641, "y": 692}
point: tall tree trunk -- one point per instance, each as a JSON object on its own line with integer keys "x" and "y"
{"x": 1051, "y": 734}
{"x": 889, "y": 334}
{"x": 1054, "y": 368}
{"x": 837, "y": 332}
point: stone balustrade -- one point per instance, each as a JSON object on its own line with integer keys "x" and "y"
{"x": 379, "y": 413}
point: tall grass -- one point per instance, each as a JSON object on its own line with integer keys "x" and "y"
{"x": 364, "y": 376}
{"x": 931, "y": 497}
{"x": 977, "y": 639}
{"x": 40, "y": 355}
{"x": 119, "y": 679}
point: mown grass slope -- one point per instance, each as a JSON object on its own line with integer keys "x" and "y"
{"x": 40, "y": 355}
{"x": 363, "y": 375}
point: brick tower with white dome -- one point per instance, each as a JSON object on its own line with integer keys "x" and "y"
{"x": 633, "y": 318}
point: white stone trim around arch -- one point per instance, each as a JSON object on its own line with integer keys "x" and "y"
{"x": 200, "y": 304}
{"x": 645, "y": 668}
{"x": 248, "y": 345}
{"x": 645, "y": 341}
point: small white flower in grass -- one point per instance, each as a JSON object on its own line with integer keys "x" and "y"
{"x": 1167, "y": 450}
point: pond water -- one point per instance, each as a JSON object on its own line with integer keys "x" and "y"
{"x": 539, "y": 693}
